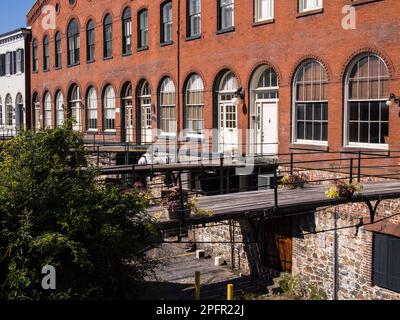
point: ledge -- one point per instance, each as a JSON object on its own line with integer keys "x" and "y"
{"x": 168, "y": 43}
{"x": 73, "y": 65}
{"x": 127, "y": 54}
{"x": 312, "y": 147}
{"x": 359, "y": 2}
{"x": 143, "y": 49}
{"x": 108, "y": 58}
{"x": 309, "y": 13}
{"x": 90, "y": 61}
{"x": 263, "y": 22}
{"x": 364, "y": 150}
{"x": 227, "y": 30}
{"x": 190, "y": 38}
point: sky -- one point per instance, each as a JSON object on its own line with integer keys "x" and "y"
{"x": 13, "y": 14}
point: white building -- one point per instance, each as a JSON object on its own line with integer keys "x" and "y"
{"x": 14, "y": 81}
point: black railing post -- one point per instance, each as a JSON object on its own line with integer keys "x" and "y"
{"x": 351, "y": 169}
{"x": 98, "y": 156}
{"x": 291, "y": 163}
{"x": 359, "y": 167}
{"x": 276, "y": 188}
{"x": 221, "y": 174}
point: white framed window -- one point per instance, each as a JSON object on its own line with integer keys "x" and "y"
{"x": 76, "y": 108}
{"x": 366, "y": 93}
{"x": 47, "y": 111}
{"x": 109, "y": 109}
{"x": 166, "y": 31}
{"x": 168, "y": 107}
{"x": 310, "y": 114}
{"x": 59, "y": 109}
{"x": 194, "y": 100}
{"x": 226, "y": 12}
{"x": 91, "y": 110}
{"x": 194, "y": 18}
{"x": 309, "y": 5}
{"x": 127, "y": 32}
{"x": 146, "y": 113}
{"x": 143, "y": 29}
{"x": 263, "y": 10}
{"x": 9, "y": 111}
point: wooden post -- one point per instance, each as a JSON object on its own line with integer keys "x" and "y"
{"x": 230, "y": 292}
{"x": 359, "y": 167}
{"x": 197, "y": 285}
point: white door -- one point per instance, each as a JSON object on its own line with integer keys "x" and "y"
{"x": 228, "y": 127}
{"x": 266, "y": 128}
{"x": 129, "y": 123}
{"x": 146, "y": 122}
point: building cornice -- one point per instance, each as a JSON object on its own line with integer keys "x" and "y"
{"x": 35, "y": 11}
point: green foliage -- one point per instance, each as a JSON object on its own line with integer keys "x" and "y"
{"x": 55, "y": 211}
{"x": 294, "y": 181}
{"x": 343, "y": 189}
{"x": 294, "y": 288}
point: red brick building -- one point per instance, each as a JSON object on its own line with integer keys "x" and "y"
{"x": 309, "y": 81}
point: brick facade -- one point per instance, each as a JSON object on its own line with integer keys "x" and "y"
{"x": 283, "y": 43}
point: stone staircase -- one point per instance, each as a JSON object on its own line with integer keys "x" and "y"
{"x": 275, "y": 288}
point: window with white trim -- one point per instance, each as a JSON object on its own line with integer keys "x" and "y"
{"x": 47, "y": 110}
{"x": 168, "y": 106}
{"x": 109, "y": 109}
{"x": 367, "y": 90}
{"x": 127, "y": 32}
{"x": 9, "y": 111}
{"x": 166, "y": 21}
{"x": 59, "y": 109}
{"x": 226, "y": 14}
{"x": 91, "y": 110}
{"x": 311, "y": 104}
{"x": 143, "y": 34}
{"x": 309, "y": 5}
{"x": 194, "y": 99}
{"x": 263, "y": 10}
{"x": 194, "y": 18}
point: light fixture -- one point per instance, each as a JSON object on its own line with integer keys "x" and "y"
{"x": 392, "y": 99}
{"x": 238, "y": 94}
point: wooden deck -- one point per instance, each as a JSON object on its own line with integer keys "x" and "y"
{"x": 261, "y": 203}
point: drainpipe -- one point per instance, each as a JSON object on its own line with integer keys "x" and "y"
{"x": 335, "y": 257}
{"x": 178, "y": 57}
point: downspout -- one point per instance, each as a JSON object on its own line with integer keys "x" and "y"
{"x": 178, "y": 57}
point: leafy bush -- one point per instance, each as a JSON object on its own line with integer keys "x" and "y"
{"x": 294, "y": 288}
{"x": 343, "y": 189}
{"x": 294, "y": 181}
{"x": 54, "y": 211}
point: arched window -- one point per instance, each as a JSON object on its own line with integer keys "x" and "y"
{"x": 37, "y": 112}
{"x": 145, "y": 112}
{"x": 310, "y": 104}
{"x": 47, "y": 110}
{"x": 91, "y": 114}
{"x": 109, "y": 108}
{"x": 166, "y": 21}
{"x": 143, "y": 27}
{"x": 227, "y": 112}
{"x": 167, "y": 106}
{"x": 127, "y": 32}
{"x": 73, "y": 43}
{"x": 35, "y": 56}
{"x": 59, "y": 109}
{"x": 46, "y": 54}
{"x": 9, "y": 111}
{"x": 194, "y": 102}
{"x": 90, "y": 45}
{"x": 76, "y": 108}
{"x": 107, "y": 34}
{"x": 367, "y": 89}
{"x": 58, "y": 52}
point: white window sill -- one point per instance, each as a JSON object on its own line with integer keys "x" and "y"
{"x": 311, "y": 142}
{"x": 371, "y": 146}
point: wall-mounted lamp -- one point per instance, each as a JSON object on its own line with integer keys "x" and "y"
{"x": 238, "y": 94}
{"x": 393, "y": 99}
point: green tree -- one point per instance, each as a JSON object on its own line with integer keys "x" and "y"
{"x": 54, "y": 210}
